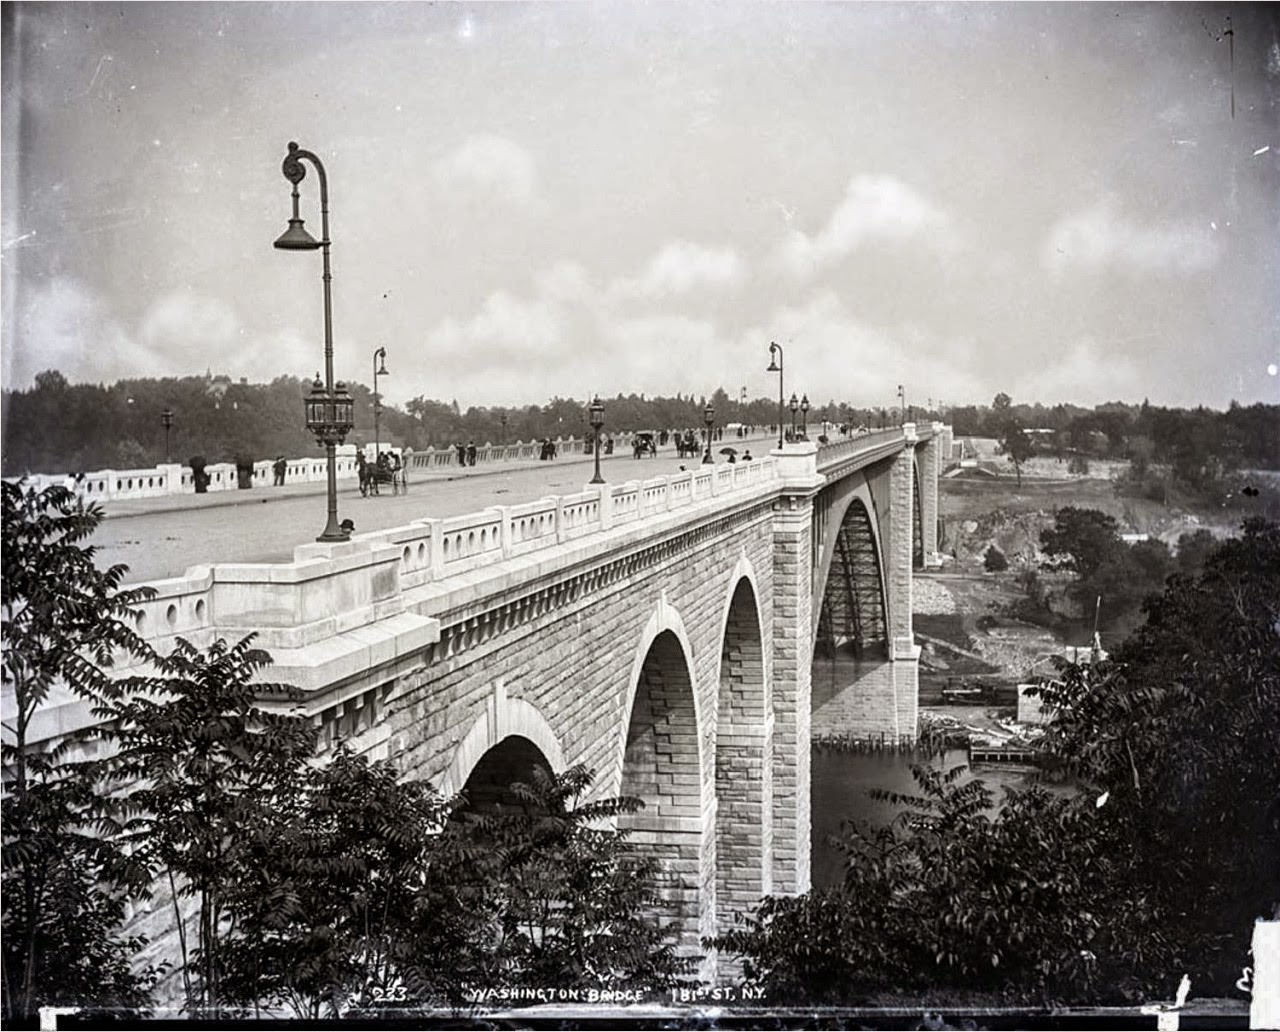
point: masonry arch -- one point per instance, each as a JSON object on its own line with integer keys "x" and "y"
{"x": 488, "y": 786}
{"x": 502, "y": 718}
{"x": 662, "y": 765}
{"x": 743, "y": 770}
{"x": 917, "y": 517}
{"x": 852, "y": 604}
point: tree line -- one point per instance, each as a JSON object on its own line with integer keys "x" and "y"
{"x": 60, "y": 427}
{"x": 1195, "y": 442}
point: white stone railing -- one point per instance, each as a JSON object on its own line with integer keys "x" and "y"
{"x": 330, "y": 588}
{"x": 175, "y": 478}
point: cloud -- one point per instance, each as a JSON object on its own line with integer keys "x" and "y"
{"x": 1097, "y": 240}
{"x": 874, "y": 208}
{"x": 831, "y": 354}
{"x": 506, "y": 331}
{"x": 682, "y": 266}
{"x": 63, "y": 325}
{"x": 183, "y": 321}
{"x": 492, "y": 167}
{"x": 1088, "y": 371}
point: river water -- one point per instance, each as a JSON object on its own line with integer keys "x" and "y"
{"x": 840, "y": 783}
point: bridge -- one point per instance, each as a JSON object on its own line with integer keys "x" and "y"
{"x": 659, "y": 631}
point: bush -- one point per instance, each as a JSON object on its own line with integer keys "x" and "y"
{"x": 994, "y": 561}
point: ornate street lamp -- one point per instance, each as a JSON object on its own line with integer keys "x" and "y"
{"x": 902, "y": 404}
{"x": 166, "y": 418}
{"x": 597, "y": 421}
{"x": 775, "y": 366}
{"x": 793, "y": 405}
{"x": 377, "y": 405}
{"x": 504, "y": 428}
{"x": 708, "y": 417}
{"x": 804, "y": 417}
{"x": 329, "y": 408}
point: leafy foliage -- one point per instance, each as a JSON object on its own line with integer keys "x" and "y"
{"x": 203, "y": 766}
{"x": 1182, "y": 729}
{"x": 1016, "y": 444}
{"x": 1161, "y": 865}
{"x": 320, "y": 908}
{"x": 571, "y": 902}
{"x": 994, "y": 561}
{"x": 65, "y": 622}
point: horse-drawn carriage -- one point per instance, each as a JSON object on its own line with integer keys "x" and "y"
{"x": 386, "y": 471}
{"x": 687, "y": 445}
{"x": 645, "y": 442}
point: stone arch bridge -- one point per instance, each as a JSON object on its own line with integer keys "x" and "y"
{"x": 661, "y": 632}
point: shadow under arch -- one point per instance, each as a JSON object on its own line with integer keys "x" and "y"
{"x": 662, "y": 765}
{"x": 503, "y": 717}
{"x": 743, "y": 759}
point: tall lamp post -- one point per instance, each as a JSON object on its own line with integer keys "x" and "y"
{"x": 379, "y": 353}
{"x": 775, "y": 366}
{"x": 708, "y": 417}
{"x": 329, "y": 407}
{"x": 793, "y": 405}
{"x": 597, "y": 421}
{"x": 804, "y": 418}
{"x": 504, "y": 428}
{"x": 166, "y": 418}
{"x": 902, "y": 404}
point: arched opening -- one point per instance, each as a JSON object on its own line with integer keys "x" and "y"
{"x": 488, "y": 787}
{"x": 662, "y": 767}
{"x": 917, "y": 520}
{"x": 744, "y": 773}
{"x": 851, "y": 644}
{"x": 852, "y": 619}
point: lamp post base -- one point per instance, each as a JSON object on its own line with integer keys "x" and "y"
{"x": 333, "y": 531}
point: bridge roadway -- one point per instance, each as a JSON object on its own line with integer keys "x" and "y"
{"x": 162, "y": 537}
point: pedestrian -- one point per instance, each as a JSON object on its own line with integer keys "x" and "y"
{"x": 471, "y": 453}
{"x": 462, "y": 453}
{"x": 395, "y": 473}
{"x": 746, "y": 455}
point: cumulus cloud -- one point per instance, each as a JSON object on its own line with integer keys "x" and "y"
{"x": 183, "y": 321}
{"x": 491, "y": 167}
{"x": 1088, "y": 371}
{"x": 831, "y": 354}
{"x": 63, "y": 325}
{"x": 682, "y": 266}
{"x": 1098, "y": 239}
{"x": 505, "y": 331}
{"x": 874, "y": 208}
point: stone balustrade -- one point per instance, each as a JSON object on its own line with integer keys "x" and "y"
{"x": 175, "y": 478}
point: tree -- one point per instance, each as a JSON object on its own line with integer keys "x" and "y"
{"x": 566, "y": 899}
{"x": 1182, "y": 730}
{"x": 1159, "y": 864}
{"x": 202, "y": 766}
{"x": 1086, "y": 538}
{"x": 1017, "y": 445}
{"x": 65, "y": 623}
{"x": 327, "y": 890}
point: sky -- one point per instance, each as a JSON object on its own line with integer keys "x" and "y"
{"x": 537, "y": 200}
